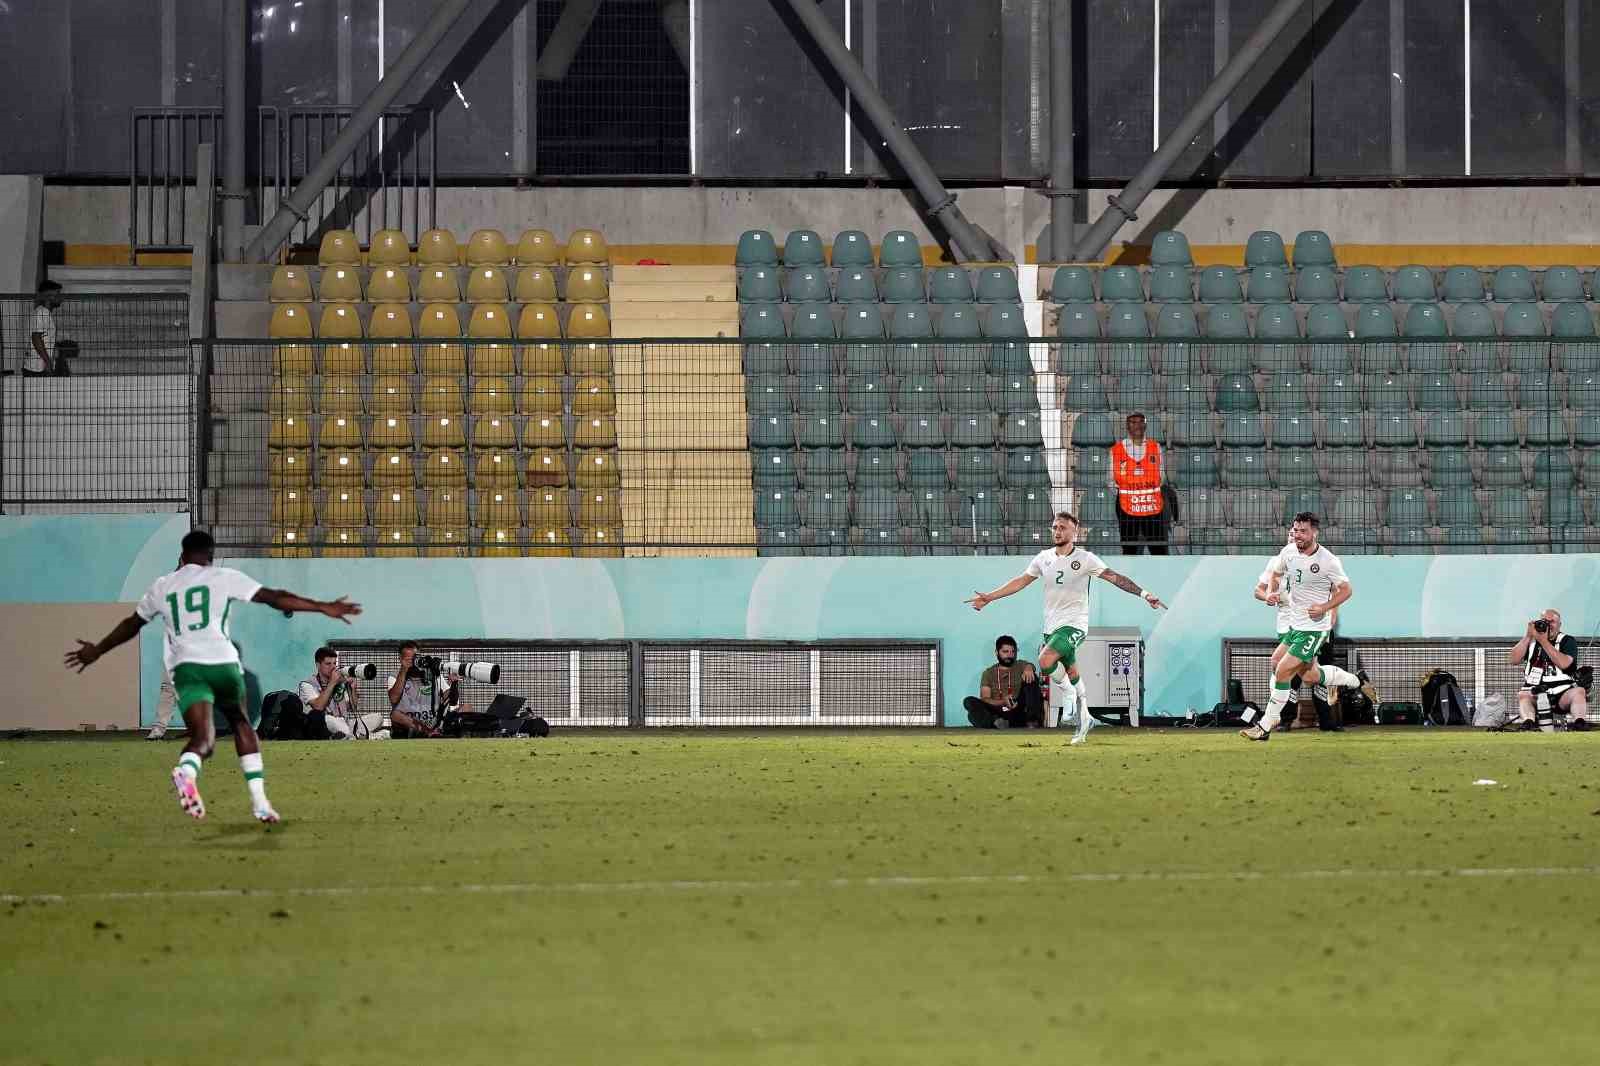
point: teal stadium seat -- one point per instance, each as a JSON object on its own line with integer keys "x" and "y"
{"x": 825, "y": 508}
{"x": 1316, "y": 285}
{"x": 802, "y": 248}
{"x": 778, "y": 543}
{"x": 1245, "y": 468}
{"x": 1536, "y": 390}
{"x": 1192, "y": 429}
{"x": 762, "y": 321}
{"x": 1325, "y": 323}
{"x": 1436, "y": 392}
{"x": 1502, "y": 468}
{"x": 825, "y": 469}
{"x": 1583, "y": 392}
{"x": 975, "y": 469}
{"x": 1302, "y": 499}
{"x": 1243, "y": 429}
{"x": 950, "y": 285}
{"x": 771, "y": 431}
{"x": 813, "y": 322}
{"x": 1510, "y": 508}
{"x": 808, "y": 285}
{"x": 1176, "y": 325}
{"x": 1524, "y": 320}
{"x": 816, "y": 393}
{"x": 998, "y": 285}
{"x": 911, "y": 322}
{"x": 1488, "y": 393}
{"x": 1015, "y": 393}
{"x": 1312, "y": 248}
{"x": 1220, "y": 285}
{"x": 1072, "y": 284}
{"x": 1023, "y": 429}
{"x": 972, "y": 430}
{"x": 1394, "y": 429}
{"x": 756, "y": 248}
{"x": 1494, "y": 429}
{"x": 759, "y": 285}
{"x": 1424, "y": 320}
{"x": 1552, "y": 469}
{"x": 1028, "y": 507}
{"x": 1171, "y": 284}
{"x": 1085, "y": 393}
{"x": 1375, "y": 322}
{"x": 776, "y": 510}
{"x": 1268, "y": 284}
{"x": 1025, "y": 468}
{"x": 766, "y": 359}
{"x": 875, "y": 468}
{"x": 1414, "y": 284}
{"x": 877, "y": 507}
{"x": 1458, "y": 506}
{"x": 1365, "y": 284}
{"x": 768, "y": 394}
{"x": 1277, "y": 322}
{"x": 1344, "y": 430}
{"x": 1407, "y": 540}
{"x": 923, "y": 431}
{"x": 856, "y": 287}
{"x": 772, "y": 470}
{"x": 1186, "y": 395}
{"x": 900, "y": 249}
{"x": 1264, "y": 248}
{"x": 960, "y": 322}
{"x": 1121, "y": 283}
{"x": 1196, "y": 468}
{"x": 1449, "y": 467}
{"x": 1094, "y": 429}
{"x": 851, "y": 249}
{"x": 862, "y": 323}
{"x": 1285, "y": 392}
{"x": 1170, "y": 248}
{"x": 1406, "y": 507}
{"x": 1225, "y": 322}
{"x": 1237, "y": 392}
{"x": 1340, "y": 393}
{"x": 965, "y": 393}
{"x": 1136, "y": 392}
{"x": 962, "y": 357}
{"x": 867, "y": 395}
{"x": 1293, "y": 431}
{"x": 1462, "y": 284}
{"x": 1475, "y": 320}
{"x": 1513, "y": 284}
{"x": 1546, "y": 428}
{"x": 1562, "y": 284}
{"x": 917, "y": 395}
{"x": 903, "y": 285}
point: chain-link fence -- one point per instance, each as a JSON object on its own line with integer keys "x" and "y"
{"x": 103, "y": 418}
{"x": 912, "y": 446}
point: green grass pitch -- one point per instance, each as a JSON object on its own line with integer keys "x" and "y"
{"x": 939, "y": 897}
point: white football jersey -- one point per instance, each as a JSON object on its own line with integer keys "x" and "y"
{"x": 1310, "y": 579}
{"x": 1066, "y": 586}
{"x": 1283, "y": 598}
{"x": 193, "y": 603}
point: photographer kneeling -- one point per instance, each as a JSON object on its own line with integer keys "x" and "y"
{"x": 1549, "y": 660}
{"x": 1009, "y": 693}
{"x": 332, "y": 693}
{"x": 413, "y": 711}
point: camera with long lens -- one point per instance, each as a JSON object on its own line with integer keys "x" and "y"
{"x": 360, "y": 671}
{"x": 455, "y": 670}
{"x": 1541, "y": 625}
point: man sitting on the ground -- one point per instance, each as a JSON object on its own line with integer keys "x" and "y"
{"x": 1009, "y": 693}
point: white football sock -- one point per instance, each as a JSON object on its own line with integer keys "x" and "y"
{"x": 1275, "y": 704}
{"x": 1337, "y": 677}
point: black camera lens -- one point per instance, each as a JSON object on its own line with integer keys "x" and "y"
{"x": 1540, "y": 625}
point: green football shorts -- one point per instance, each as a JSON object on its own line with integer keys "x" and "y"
{"x": 1064, "y": 642}
{"x": 1304, "y": 644}
{"x": 212, "y": 682}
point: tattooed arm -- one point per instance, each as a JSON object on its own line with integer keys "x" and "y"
{"x": 1127, "y": 585}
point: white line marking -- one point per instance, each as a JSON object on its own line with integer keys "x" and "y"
{"x": 646, "y": 888}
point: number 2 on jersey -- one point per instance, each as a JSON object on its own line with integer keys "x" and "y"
{"x": 196, "y": 601}
{"x": 1061, "y": 576}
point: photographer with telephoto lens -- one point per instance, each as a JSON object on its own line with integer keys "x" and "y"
{"x": 1549, "y": 660}
{"x": 413, "y": 710}
{"x": 331, "y": 693}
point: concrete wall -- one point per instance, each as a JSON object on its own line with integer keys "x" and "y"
{"x": 21, "y": 214}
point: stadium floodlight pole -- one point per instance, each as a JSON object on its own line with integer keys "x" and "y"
{"x": 1127, "y": 201}
{"x": 294, "y": 209}
{"x": 970, "y": 242}
{"x": 1063, "y": 197}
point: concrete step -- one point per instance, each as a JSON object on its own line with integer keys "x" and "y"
{"x": 122, "y": 279}
{"x": 243, "y": 281}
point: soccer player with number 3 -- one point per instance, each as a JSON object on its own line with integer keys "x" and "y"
{"x": 193, "y": 603}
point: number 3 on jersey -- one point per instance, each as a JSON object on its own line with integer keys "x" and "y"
{"x": 196, "y": 601}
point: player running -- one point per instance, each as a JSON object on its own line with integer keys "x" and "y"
{"x": 1066, "y": 570}
{"x": 1315, "y": 587}
{"x": 193, "y": 602}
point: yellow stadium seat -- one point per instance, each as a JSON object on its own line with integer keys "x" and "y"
{"x": 536, "y": 285}
{"x": 287, "y": 469}
{"x": 595, "y": 431}
{"x": 442, "y": 396}
{"x": 389, "y": 249}
{"x": 340, "y": 285}
{"x": 344, "y": 358}
{"x": 289, "y": 322}
{"x": 599, "y": 508}
{"x": 493, "y": 431}
{"x": 444, "y": 468}
{"x": 344, "y": 544}
{"x": 496, "y": 469}
{"x": 539, "y": 322}
{"x": 587, "y": 246}
{"x": 289, "y": 394}
{"x": 547, "y": 467}
{"x": 339, "y": 248}
{"x": 391, "y": 322}
{"x": 390, "y": 431}
{"x": 393, "y": 469}
{"x": 597, "y": 470}
{"x": 593, "y": 394}
{"x": 548, "y": 507}
{"x": 440, "y": 358}
{"x": 395, "y": 543}
{"x": 537, "y": 247}
{"x": 291, "y": 431}
{"x": 290, "y": 285}
{"x": 487, "y": 247}
{"x": 446, "y": 507}
{"x": 502, "y": 543}
{"x": 491, "y": 396}
{"x": 541, "y": 395}
{"x": 293, "y": 359}
{"x": 493, "y": 359}
{"x": 389, "y": 285}
{"x": 339, "y": 321}
{"x": 544, "y": 431}
{"x": 394, "y": 359}
{"x": 499, "y": 508}
{"x": 437, "y": 247}
{"x": 291, "y": 507}
{"x": 341, "y": 468}
{"x": 542, "y": 359}
{"x": 486, "y": 285}
{"x": 290, "y": 544}
{"x": 599, "y": 544}
{"x": 438, "y": 286}
{"x": 444, "y": 431}
{"x": 341, "y": 395}
{"x": 490, "y": 322}
{"x": 439, "y": 320}
{"x": 391, "y": 395}
{"x": 591, "y": 357}
{"x": 549, "y": 544}
{"x": 447, "y": 543}
{"x": 587, "y": 284}
{"x": 344, "y": 508}
{"x": 395, "y": 506}
{"x": 588, "y": 320}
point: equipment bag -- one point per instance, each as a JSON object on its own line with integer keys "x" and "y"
{"x": 1442, "y": 703}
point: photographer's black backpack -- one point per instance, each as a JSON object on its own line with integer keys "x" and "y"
{"x": 284, "y": 717}
{"x": 1442, "y": 703}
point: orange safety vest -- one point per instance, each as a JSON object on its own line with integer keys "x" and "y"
{"x": 1138, "y": 480}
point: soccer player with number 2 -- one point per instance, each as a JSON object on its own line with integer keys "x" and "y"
{"x": 193, "y": 603}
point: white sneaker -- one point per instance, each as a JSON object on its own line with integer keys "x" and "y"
{"x": 157, "y": 732}
{"x": 266, "y": 815}
{"x": 1086, "y": 722}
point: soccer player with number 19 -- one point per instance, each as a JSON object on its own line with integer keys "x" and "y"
{"x": 193, "y": 604}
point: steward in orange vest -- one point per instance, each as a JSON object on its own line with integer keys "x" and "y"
{"x": 1137, "y": 475}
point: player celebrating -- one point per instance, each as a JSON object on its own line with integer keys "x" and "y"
{"x": 1316, "y": 586}
{"x": 1066, "y": 570}
{"x": 193, "y": 602}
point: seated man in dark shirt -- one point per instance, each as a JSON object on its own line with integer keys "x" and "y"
{"x": 1008, "y": 692}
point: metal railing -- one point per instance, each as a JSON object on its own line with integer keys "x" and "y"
{"x": 161, "y": 171}
{"x": 834, "y": 447}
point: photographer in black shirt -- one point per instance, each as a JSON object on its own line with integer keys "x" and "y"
{"x": 1549, "y": 661}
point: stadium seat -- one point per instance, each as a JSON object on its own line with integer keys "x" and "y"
{"x": 820, "y": 431}
{"x": 502, "y": 543}
{"x": 1127, "y": 321}
{"x": 1513, "y": 284}
{"x": 542, "y": 394}
{"x": 1136, "y": 392}
{"x": 1171, "y": 284}
{"x": 1375, "y": 322}
{"x": 1510, "y": 507}
{"x": 1121, "y": 283}
{"x": 292, "y": 507}
{"x": 1243, "y": 429}
{"x": 1462, "y": 284}
{"x": 389, "y": 285}
{"x": 1196, "y": 468}
{"x": 1072, "y": 284}
{"x": 862, "y": 323}
{"x": 803, "y": 248}
{"x": 899, "y": 249}
{"x": 815, "y": 393}
{"x": 1293, "y": 431}
{"x": 1024, "y": 468}
{"x": 445, "y": 431}
{"x": 1572, "y": 320}
{"x": 1426, "y": 320}
{"x": 807, "y": 285}
{"x": 1300, "y": 500}
{"x": 1449, "y": 467}
{"x": 289, "y": 394}
{"x": 1237, "y": 392}
{"x": 1436, "y": 392}
{"x": 594, "y": 431}
{"x": 903, "y": 285}
{"x": 758, "y": 321}
{"x": 825, "y": 468}
{"x": 1094, "y": 429}
{"x": 537, "y": 247}
{"x": 1284, "y": 392}
{"x": 1219, "y": 285}
{"x": 342, "y": 468}
{"x": 872, "y": 431}
{"x": 390, "y": 431}
{"x": 1170, "y": 248}
{"x": 340, "y": 395}
{"x": 813, "y": 322}
{"x": 1583, "y": 392}
{"x": 856, "y": 287}
{"x": 389, "y": 249}
{"x": 1394, "y": 429}
{"x": 1264, "y": 248}
{"x": 1192, "y": 429}
{"x": 588, "y": 321}
{"x": 339, "y": 248}
{"x": 1524, "y": 320}
{"x": 1006, "y": 321}
{"x": 391, "y": 394}
{"x": 487, "y": 247}
{"x": 1022, "y": 429}
{"x": 290, "y": 431}
{"x": 290, "y": 284}
{"x": 911, "y": 322}
{"x": 959, "y": 322}
{"x": 1312, "y": 248}
{"x": 290, "y": 322}
{"x": 1502, "y": 468}
{"x": 437, "y": 247}
{"x": 1316, "y": 285}
{"x": 1245, "y": 468}
{"x": 762, "y": 359}
{"x": 1365, "y": 284}
{"x": 586, "y": 246}
{"x": 950, "y": 285}
{"x": 1406, "y": 507}
{"x": 489, "y": 322}
{"x": 438, "y": 285}
{"x": 851, "y": 248}
{"x": 1414, "y": 284}
{"x": 756, "y": 248}
{"x": 496, "y": 507}
{"x": 1475, "y": 320}
{"x": 917, "y": 395}
{"x": 547, "y": 467}
{"x": 1536, "y": 390}
{"x": 998, "y": 285}
{"x": 343, "y": 543}
{"x": 544, "y": 430}
{"x": 1268, "y": 284}
{"x": 597, "y": 469}
{"x": 537, "y": 285}
{"x": 486, "y": 285}
{"x": 1561, "y": 284}
{"x": 1488, "y": 393}
{"x": 1079, "y": 322}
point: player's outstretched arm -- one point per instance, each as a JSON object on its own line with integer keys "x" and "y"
{"x": 1127, "y": 585}
{"x": 85, "y": 654}
{"x": 340, "y": 608}
{"x": 980, "y": 600}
